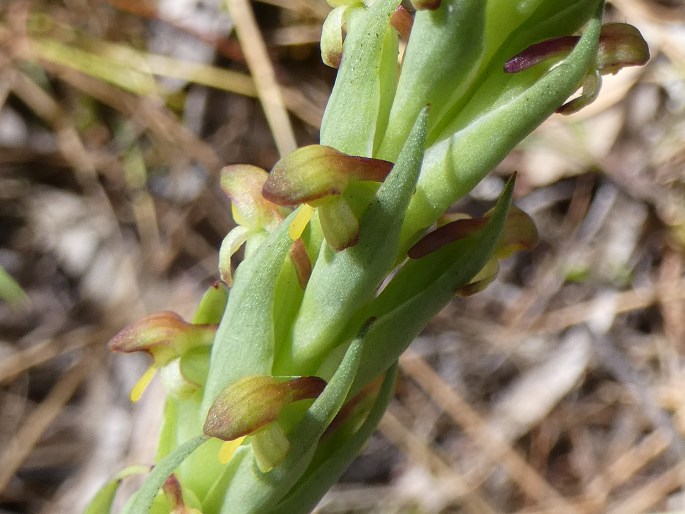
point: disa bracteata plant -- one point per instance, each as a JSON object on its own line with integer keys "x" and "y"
{"x": 289, "y": 363}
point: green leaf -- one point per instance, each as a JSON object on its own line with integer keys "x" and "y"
{"x": 453, "y": 166}
{"x": 212, "y": 305}
{"x": 244, "y": 343}
{"x": 440, "y": 62}
{"x": 421, "y": 289}
{"x": 181, "y": 422}
{"x": 304, "y": 496}
{"x": 217, "y": 492}
{"x": 142, "y": 501}
{"x": 341, "y": 282}
{"x": 387, "y": 73}
{"x": 102, "y": 502}
{"x": 354, "y": 109}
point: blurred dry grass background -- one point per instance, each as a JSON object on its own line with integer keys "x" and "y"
{"x": 561, "y": 388}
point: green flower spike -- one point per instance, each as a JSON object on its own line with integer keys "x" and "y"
{"x": 620, "y": 45}
{"x": 168, "y": 339}
{"x": 357, "y": 216}
{"x": 319, "y": 177}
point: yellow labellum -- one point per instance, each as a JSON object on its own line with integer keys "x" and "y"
{"x": 228, "y": 448}
{"x": 304, "y": 214}
{"x": 142, "y": 384}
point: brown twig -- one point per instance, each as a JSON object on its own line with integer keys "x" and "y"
{"x": 262, "y": 70}
{"x": 38, "y": 421}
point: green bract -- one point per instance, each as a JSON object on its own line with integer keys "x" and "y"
{"x": 349, "y": 253}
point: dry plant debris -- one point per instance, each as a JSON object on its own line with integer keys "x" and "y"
{"x": 561, "y": 388}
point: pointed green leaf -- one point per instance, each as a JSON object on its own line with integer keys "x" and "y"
{"x": 244, "y": 343}
{"x": 142, "y": 500}
{"x": 421, "y": 289}
{"x": 304, "y": 496}
{"x": 354, "y": 109}
{"x": 443, "y": 54}
{"x": 103, "y": 500}
{"x": 341, "y": 282}
{"x": 454, "y": 165}
{"x": 212, "y": 305}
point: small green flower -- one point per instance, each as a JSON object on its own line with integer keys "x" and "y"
{"x": 320, "y": 176}
{"x": 171, "y": 342}
{"x": 256, "y": 217}
{"x": 253, "y": 214}
{"x": 620, "y": 45}
{"x": 519, "y": 233}
{"x": 249, "y": 404}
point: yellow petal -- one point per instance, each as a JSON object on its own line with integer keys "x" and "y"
{"x": 228, "y": 448}
{"x": 297, "y": 226}
{"x": 142, "y": 384}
